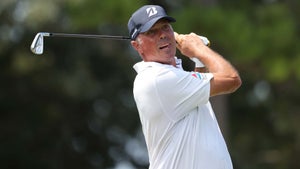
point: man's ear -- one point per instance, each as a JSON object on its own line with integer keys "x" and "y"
{"x": 135, "y": 45}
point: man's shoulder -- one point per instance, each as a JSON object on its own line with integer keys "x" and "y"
{"x": 154, "y": 75}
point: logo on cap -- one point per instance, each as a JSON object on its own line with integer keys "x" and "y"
{"x": 151, "y": 11}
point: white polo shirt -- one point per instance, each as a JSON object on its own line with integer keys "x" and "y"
{"x": 179, "y": 125}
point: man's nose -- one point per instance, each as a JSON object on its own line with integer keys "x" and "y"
{"x": 162, "y": 34}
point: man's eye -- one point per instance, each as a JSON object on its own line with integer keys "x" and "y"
{"x": 150, "y": 32}
{"x": 166, "y": 27}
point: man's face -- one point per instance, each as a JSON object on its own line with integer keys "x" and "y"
{"x": 157, "y": 44}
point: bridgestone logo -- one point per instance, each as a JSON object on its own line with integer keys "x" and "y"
{"x": 151, "y": 11}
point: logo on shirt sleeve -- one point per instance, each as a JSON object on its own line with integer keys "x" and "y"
{"x": 199, "y": 75}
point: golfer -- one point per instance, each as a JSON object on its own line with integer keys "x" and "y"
{"x": 178, "y": 122}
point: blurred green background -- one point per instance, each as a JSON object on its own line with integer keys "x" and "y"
{"x": 73, "y": 107}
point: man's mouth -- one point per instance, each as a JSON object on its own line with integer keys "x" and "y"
{"x": 164, "y": 46}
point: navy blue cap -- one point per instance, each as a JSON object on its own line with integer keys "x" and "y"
{"x": 144, "y": 18}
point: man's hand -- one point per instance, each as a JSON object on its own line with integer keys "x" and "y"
{"x": 226, "y": 79}
{"x": 189, "y": 45}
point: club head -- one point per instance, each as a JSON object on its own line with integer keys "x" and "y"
{"x": 37, "y": 45}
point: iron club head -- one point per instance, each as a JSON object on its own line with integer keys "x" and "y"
{"x": 37, "y": 45}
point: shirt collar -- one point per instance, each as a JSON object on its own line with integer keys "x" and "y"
{"x": 140, "y": 66}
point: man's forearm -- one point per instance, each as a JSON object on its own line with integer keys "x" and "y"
{"x": 201, "y": 69}
{"x": 215, "y": 63}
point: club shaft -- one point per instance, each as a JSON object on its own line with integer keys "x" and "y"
{"x": 88, "y": 36}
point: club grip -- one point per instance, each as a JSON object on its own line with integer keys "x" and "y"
{"x": 198, "y": 63}
{"x": 204, "y": 40}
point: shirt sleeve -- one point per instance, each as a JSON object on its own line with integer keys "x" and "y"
{"x": 180, "y": 92}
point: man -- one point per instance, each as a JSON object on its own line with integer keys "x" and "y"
{"x": 178, "y": 122}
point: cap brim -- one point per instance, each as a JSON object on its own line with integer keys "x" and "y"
{"x": 150, "y": 23}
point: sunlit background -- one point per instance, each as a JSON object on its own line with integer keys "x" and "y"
{"x": 73, "y": 107}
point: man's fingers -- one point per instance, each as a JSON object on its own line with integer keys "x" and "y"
{"x": 175, "y": 34}
{"x": 177, "y": 37}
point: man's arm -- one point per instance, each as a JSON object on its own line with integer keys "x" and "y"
{"x": 201, "y": 69}
{"x": 226, "y": 78}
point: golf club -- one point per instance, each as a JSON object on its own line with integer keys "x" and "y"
{"x": 37, "y": 46}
